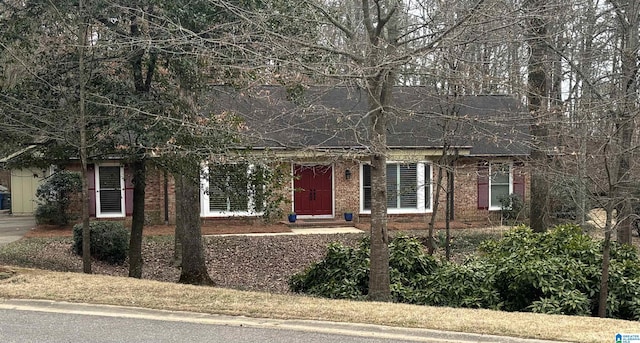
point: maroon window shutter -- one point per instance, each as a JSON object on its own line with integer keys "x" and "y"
{"x": 91, "y": 181}
{"x": 128, "y": 190}
{"x": 518, "y": 179}
{"x": 483, "y": 185}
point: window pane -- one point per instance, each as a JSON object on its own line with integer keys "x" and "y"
{"x": 110, "y": 191}
{"x": 228, "y": 188}
{"x": 408, "y": 185}
{"x": 402, "y": 186}
{"x": 392, "y": 185}
{"x": 239, "y": 201}
{"x": 427, "y": 186}
{"x": 498, "y": 192}
{"x": 110, "y": 201}
{"x": 500, "y": 173}
{"x": 367, "y": 198}
{"x": 237, "y": 190}
{"x": 217, "y": 200}
{"x": 217, "y": 189}
{"x": 366, "y": 186}
{"x": 109, "y": 177}
{"x": 257, "y": 185}
{"x": 366, "y": 175}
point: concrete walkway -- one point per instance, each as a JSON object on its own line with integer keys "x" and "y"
{"x": 12, "y": 228}
{"x": 302, "y": 231}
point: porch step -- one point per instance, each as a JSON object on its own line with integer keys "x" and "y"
{"x": 315, "y": 223}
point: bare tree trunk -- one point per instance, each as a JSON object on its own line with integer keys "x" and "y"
{"x": 194, "y": 268}
{"x": 86, "y": 234}
{"x": 537, "y": 92}
{"x": 379, "y": 280}
{"x": 436, "y": 205}
{"x": 449, "y": 209}
{"x": 142, "y": 85}
{"x": 380, "y": 88}
{"x": 179, "y": 235}
{"x": 606, "y": 252}
{"x": 628, "y": 22}
{"x": 137, "y": 222}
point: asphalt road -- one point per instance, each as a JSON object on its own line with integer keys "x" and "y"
{"x": 28, "y": 326}
{"x": 50, "y": 321}
{"x": 12, "y": 228}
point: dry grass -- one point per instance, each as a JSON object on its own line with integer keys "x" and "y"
{"x": 75, "y": 287}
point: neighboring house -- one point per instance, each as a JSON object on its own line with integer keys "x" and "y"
{"x": 23, "y": 183}
{"x": 319, "y": 135}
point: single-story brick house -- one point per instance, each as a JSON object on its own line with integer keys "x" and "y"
{"x": 319, "y": 136}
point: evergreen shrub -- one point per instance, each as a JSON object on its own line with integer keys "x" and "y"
{"x": 553, "y": 272}
{"x": 54, "y": 197}
{"x": 109, "y": 241}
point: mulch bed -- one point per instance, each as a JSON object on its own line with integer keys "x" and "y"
{"x": 261, "y": 263}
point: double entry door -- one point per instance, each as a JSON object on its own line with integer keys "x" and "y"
{"x": 313, "y": 190}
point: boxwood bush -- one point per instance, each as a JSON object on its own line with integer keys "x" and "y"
{"x": 109, "y": 241}
{"x": 553, "y": 272}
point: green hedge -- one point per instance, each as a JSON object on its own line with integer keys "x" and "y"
{"x": 553, "y": 272}
{"x": 54, "y": 197}
{"x": 109, "y": 241}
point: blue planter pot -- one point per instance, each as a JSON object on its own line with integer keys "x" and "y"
{"x": 348, "y": 216}
{"x": 292, "y": 218}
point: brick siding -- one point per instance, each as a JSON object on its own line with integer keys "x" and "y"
{"x": 346, "y": 198}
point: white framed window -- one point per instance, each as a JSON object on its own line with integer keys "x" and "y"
{"x": 500, "y": 183}
{"x": 110, "y": 191}
{"x": 232, "y": 190}
{"x": 408, "y": 187}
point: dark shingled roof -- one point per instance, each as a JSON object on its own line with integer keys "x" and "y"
{"x": 336, "y": 118}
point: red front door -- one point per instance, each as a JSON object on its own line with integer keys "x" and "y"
{"x": 313, "y": 193}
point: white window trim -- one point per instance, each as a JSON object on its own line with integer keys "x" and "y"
{"x": 205, "y": 210}
{"x": 421, "y": 206}
{"x": 510, "y": 164}
{"x": 99, "y": 213}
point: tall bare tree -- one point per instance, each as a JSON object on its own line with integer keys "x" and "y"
{"x": 371, "y": 44}
{"x": 83, "y": 30}
{"x": 628, "y": 18}
{"x": 126, "y": 82}
{"x": 537, "y": 94}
